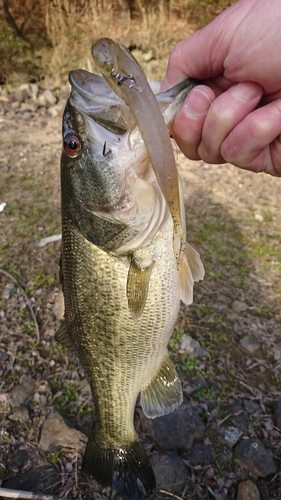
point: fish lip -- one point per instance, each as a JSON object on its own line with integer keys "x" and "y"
{"x": 89, "y": 85}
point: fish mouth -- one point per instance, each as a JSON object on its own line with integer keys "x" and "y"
{"x": 92, "y": 96}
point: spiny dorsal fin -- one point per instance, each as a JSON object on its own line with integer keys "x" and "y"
{"x": 163, "y": 394}
{"x": 137, "y": 287}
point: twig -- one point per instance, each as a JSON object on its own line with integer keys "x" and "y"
{"x": 170, "y": 494}
{"x": 8, "y": 275}
{"x": 27, "y": 495}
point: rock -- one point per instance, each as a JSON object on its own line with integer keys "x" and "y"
{"x": 20, "y": 395}
{"x": 3, "y": 355}
{"x": 192, "y": 347}
{"x": 49, "y": 97}
{"x": 247, "y": 490}
{"x": 200, "y": 382}
{"x": 170, "y": 472}
{"x": 59, "y": 306}
{"x": 33, "y": 91}
{"x": 251, "y": 455}
{"x": 230, "y": 435}
{"x": 55, "y": 433}
{"x": 52, "y": 110}
{"x": 40, "y": 478}
{"x": 239, "y": 415}
{"x": 9, "y": 290}
{"x": 250, "y": 343}
{"x": 177, "y": 430}
{"x": 188, "y": 388}
{"x": 238, "y": 306}
{"x": 6, "y": 167}
{"x": 277, "y": 413}
{"x": 16, "y": 461}
{"x": 258, "y": 217}
{"x": 251, "y": 407}
{"x": 5, "y": 407}
{"x": 201, "y": 453}
{"x": 20, "y": 415}
{"x": 148, "y": 56}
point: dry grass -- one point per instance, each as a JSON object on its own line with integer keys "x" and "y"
{"x": 57, "y": 34}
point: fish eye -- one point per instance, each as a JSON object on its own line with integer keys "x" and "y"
{"x": 72, "y": 145}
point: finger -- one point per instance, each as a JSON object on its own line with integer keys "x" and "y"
{"x": 254, "y": 143}
{"x": 225, "y": 113}
{"x": 188, "y": 124}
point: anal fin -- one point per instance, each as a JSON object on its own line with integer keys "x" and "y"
{"x": 137, "y": 287}
{"x": 163, "y": 394}
{"x": 62, "y": 336}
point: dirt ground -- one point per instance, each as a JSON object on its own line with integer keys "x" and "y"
{"x": 233, "y": 220}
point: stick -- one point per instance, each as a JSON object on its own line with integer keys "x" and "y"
{"x": 27, "y": 495}
{"x": 27, "y": 301}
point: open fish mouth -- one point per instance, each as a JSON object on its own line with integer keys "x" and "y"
{"x": 93, "y": 96}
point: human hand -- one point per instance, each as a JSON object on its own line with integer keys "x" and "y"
{"x": 236, "y": 115}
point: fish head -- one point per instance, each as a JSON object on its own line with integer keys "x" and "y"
{"x": 108, "y": 185}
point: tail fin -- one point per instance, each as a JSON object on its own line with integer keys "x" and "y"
{"x": 126, "y": 469}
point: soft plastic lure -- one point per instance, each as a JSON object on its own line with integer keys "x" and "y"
{"x": 127, "y": 79}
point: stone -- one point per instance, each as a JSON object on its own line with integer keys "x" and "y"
{"x": 200, "y": 382}
{"x": 247, "y": 490}
{"x": 22, "y": 393}
{"x": 238, "y": 306}
{"x": 192, "y": 347}
{"x": 239, "y": 415}
{"x": 59, "y": 306}
{"x": 230, "y": 435}
{"x": 49, "y": 97}
{"x": 251, "y": 407}
{"x": 41, "y": 478}
{"x": 201, "y": 453}
{"x": 9, "y": 290}
{"x": 250, "y": 343}
{"x": 17, "y": 460}
{"x": 252, "y": 455}
{"x": 56, "y": 434}
{"x": 20, "y": 415}
{"x": 41, "y": 101}
{"x": 170, "y": 472}
{"x": 177, "y": 430}
{"x": 3, "y": 355}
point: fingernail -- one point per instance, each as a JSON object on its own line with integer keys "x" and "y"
{"x": 247, "y": 90}
{"x": 197, "y": 103}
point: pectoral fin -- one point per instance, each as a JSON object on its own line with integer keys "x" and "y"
{"x": 137, "y": 287}
{"x": 163, "y": 394}
{"x": 191, "y": 269}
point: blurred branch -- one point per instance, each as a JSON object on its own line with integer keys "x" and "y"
{"x": 28, "y": 495}
{"x": 10, "y": 21}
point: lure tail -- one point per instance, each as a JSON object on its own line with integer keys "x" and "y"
{"x": 126, "y": 470}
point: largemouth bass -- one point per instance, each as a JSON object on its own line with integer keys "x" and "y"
{"x": 120, "y": 277}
